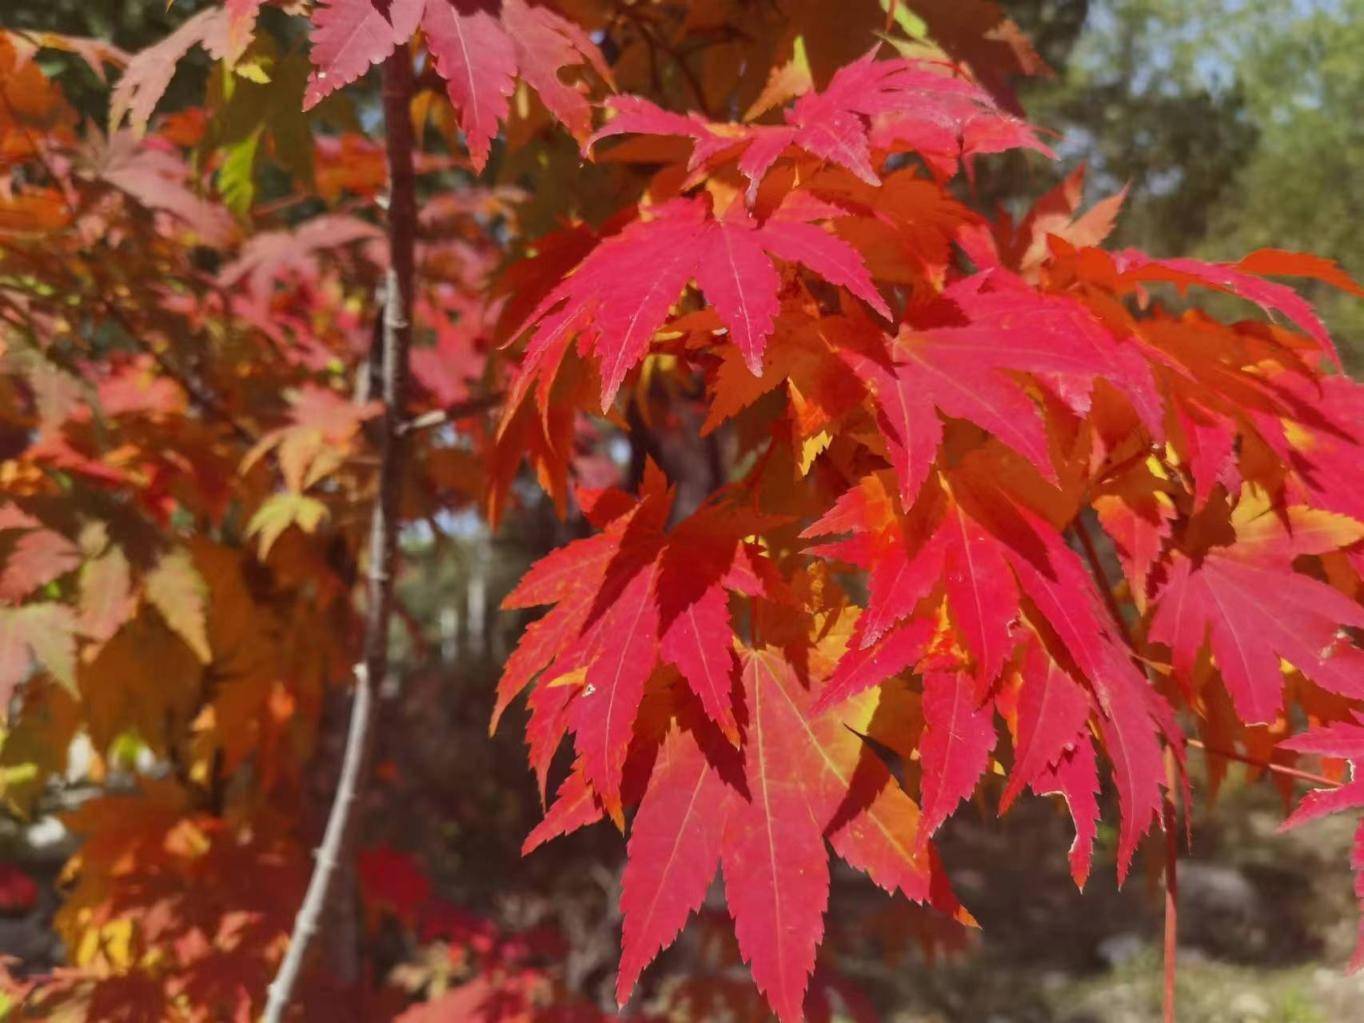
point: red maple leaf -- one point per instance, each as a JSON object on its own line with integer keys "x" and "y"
{"x": 478, "y": 53}
{"x": 626, "y": 601}
{"x": 804, "y": 778}
{"x": 980, "y": 553}
{"x": 614, "y": 310}
{"x": 994, "y": 328}
{"x": 882, "y": 105}
{"x": 1220, "y": 597}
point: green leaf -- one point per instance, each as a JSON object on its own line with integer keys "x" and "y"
{"x": 237, "y": 176}
{"x": 910, "y": 23}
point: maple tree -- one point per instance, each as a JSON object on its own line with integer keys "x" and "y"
{"x": 980, "y": 498}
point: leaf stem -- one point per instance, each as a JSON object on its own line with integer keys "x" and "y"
{"x": 369, "y": 673}
{"x": 1105, "y": 585}
{"x": 1169, "y": 811}
{"x": 1171, "y": 936}
{"x": 460, "y": 410}
{"x": 1266, "y": 765}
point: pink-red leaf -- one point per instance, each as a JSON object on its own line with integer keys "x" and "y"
{"x": 37, "y": 557}
{"x": 603, "y": 717}
{"x": 955, "y": 750}
{"x": 1224, "y": 599}
{"x": 674, "y": 851}
{"x": 741, "y": 283}
{"x": 865, "y": 666}
{"x": 478, "y": 62}
{"x": 775, "y": 865}
{"x": 1075, "y": 777}
{"x": 575, "y": 806}
{"x": 351, "y": 36}
{"x": 1052, "y": 710}
{"x": 699, "y": 641}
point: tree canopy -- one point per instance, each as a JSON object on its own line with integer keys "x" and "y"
{"x": 887, "y": 482}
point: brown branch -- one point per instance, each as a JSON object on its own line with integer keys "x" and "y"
{"x": 658, "y": 45}
{"x": 397, "y": 336}
{"x": 1171, "y": 935}
{"x": 206, "y": 401}
{"x": 1101, "y": 576}
{"x": 466, "y": 409}
{"x": 1265, "y": 765}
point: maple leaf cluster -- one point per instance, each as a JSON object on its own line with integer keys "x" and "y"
{"x": 985, "y": 500}
{"x": 989, "y": 421}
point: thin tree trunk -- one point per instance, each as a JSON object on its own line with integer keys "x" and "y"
{"x": 369, "y": 673}
{"x": 1171, "y": 936}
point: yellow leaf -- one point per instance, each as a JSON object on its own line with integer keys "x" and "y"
{"x": 42, "y": 633}
{"x": 177, "y": 590}
{"x": 281, "y": 511}
{"x": 786, "y": 82}
{"x": 811, "y": 448}
{"x": 253, "y": 71}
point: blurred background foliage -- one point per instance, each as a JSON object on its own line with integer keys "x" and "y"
{"x": 1234, "y": 124}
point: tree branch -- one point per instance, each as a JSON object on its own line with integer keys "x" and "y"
{"x": 370, "y": 672}
{"x": 466, "y": 409}
{"x": 1271, "y": 766}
